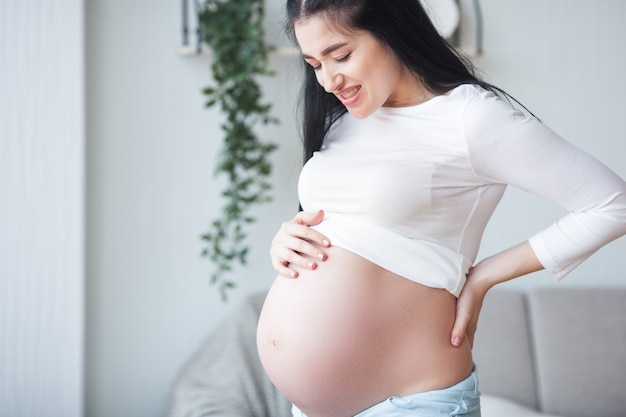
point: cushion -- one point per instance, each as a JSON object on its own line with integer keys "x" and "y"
{"x": 225, "y": 377}
{"x": 580, "y": 339}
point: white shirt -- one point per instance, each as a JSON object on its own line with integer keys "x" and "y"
{"x": 411, "y": 189}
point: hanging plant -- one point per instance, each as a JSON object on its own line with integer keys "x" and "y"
{"x": 233, "y": 30}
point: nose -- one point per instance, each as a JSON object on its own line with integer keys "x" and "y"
{"x": 329, "y": 79}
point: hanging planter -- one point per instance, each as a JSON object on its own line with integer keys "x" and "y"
{"x": 233, "y": 30}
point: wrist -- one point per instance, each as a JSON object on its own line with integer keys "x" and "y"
{"x": 479, "y": 277}
{"x": 511, "y": 263}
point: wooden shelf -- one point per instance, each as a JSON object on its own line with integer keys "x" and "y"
{"x": 193, "y": 51}
{"x": 290, "y": 51}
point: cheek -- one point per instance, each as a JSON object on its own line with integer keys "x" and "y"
{"x": 389, "y": 84}
{"x": 319, "y": 79}
{"x": 380, "y": 89}
{"x": 379, "y": 77}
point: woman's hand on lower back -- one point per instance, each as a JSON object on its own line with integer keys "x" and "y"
{"x": 514, "y": 262}
{"x": 468, "y": 306}
{"x": 297, "y": 244}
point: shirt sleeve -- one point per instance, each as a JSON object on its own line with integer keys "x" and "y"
{"x": 509, "y": 147}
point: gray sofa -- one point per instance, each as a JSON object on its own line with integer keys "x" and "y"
{"x": 548, "y": 352}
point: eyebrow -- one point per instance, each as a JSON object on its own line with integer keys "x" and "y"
{"x": 330, "y": 49}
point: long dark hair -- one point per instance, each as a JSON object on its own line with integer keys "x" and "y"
{"x": 403, "y": 26}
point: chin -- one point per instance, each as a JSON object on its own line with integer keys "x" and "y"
{"x": 360, "y": 113}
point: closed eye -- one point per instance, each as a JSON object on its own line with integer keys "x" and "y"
{"x": 344, "y": 58}
{"x": 339, "y": 60}
{"x": 314, "y": 64}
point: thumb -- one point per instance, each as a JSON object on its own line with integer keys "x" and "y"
{"x": 309, "y": 218}
{"x": 459, "y": 330}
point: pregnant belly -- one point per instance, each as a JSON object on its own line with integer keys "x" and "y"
{"x": 350, "y": 334}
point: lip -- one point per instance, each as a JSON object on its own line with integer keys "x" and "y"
{"x": 351, "y": 100}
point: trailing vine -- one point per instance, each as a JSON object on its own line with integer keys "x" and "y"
{"x": 233, "y": 30}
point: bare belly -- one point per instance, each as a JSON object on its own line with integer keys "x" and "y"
{"x": 350, "y": 334}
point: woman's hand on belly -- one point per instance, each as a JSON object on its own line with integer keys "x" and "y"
{"x": 297, "y": 244}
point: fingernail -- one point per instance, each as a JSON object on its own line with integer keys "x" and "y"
{"x": 457, "y": 341}
{"x": 326, "y": 242}
{"x": 311, "y": 265}
{"x": 321, "y": 256}
{"x": 293, "y": 274}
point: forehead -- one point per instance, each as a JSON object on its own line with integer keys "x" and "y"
{"x": 315, "y": 34}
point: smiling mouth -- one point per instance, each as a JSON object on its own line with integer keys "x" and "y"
{"x": 350, "y": 93}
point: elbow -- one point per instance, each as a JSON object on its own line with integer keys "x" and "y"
{"x": 617, "y": 210}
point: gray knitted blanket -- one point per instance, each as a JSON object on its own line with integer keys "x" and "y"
{"x": 225, "y": 377}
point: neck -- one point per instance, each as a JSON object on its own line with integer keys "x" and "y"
{"x": 413, "y": 90}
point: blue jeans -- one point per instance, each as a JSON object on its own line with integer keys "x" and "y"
{"x": 462, "y": 399}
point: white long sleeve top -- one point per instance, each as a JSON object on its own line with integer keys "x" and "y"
{"x": 411, "y": 189}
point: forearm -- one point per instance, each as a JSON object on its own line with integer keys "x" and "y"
{"x": 509, "y": 264}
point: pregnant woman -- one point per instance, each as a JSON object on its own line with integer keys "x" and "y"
{"x": 407, "y": 154}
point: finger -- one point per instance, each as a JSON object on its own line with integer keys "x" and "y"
{"x": 311, "y": 219}
{"x": 299, "y": 254}
{"x": 295, "y": 252}
{"x": 459, "y": 330}
{"x": 297, "y": 244}
{"x": 306, "y": 248}
{"x": 302, "y": 231}
{"x": 282, "y": 269}
{"x": 301, "y": 239}
{"x": 457, "y": 337}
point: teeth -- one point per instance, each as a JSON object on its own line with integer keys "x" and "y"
{"x": 351, "y": 93}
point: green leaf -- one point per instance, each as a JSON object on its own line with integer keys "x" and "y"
{"x": 234, "y": 30}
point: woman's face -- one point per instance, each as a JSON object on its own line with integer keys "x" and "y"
{"x": 357, "y": 68}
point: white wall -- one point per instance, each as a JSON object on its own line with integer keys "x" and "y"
{"x": 41, "y": 208}
{"x": 152, "y": 148}
{"x": 564, "y": 60}
{"x": 151, "y": 152}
